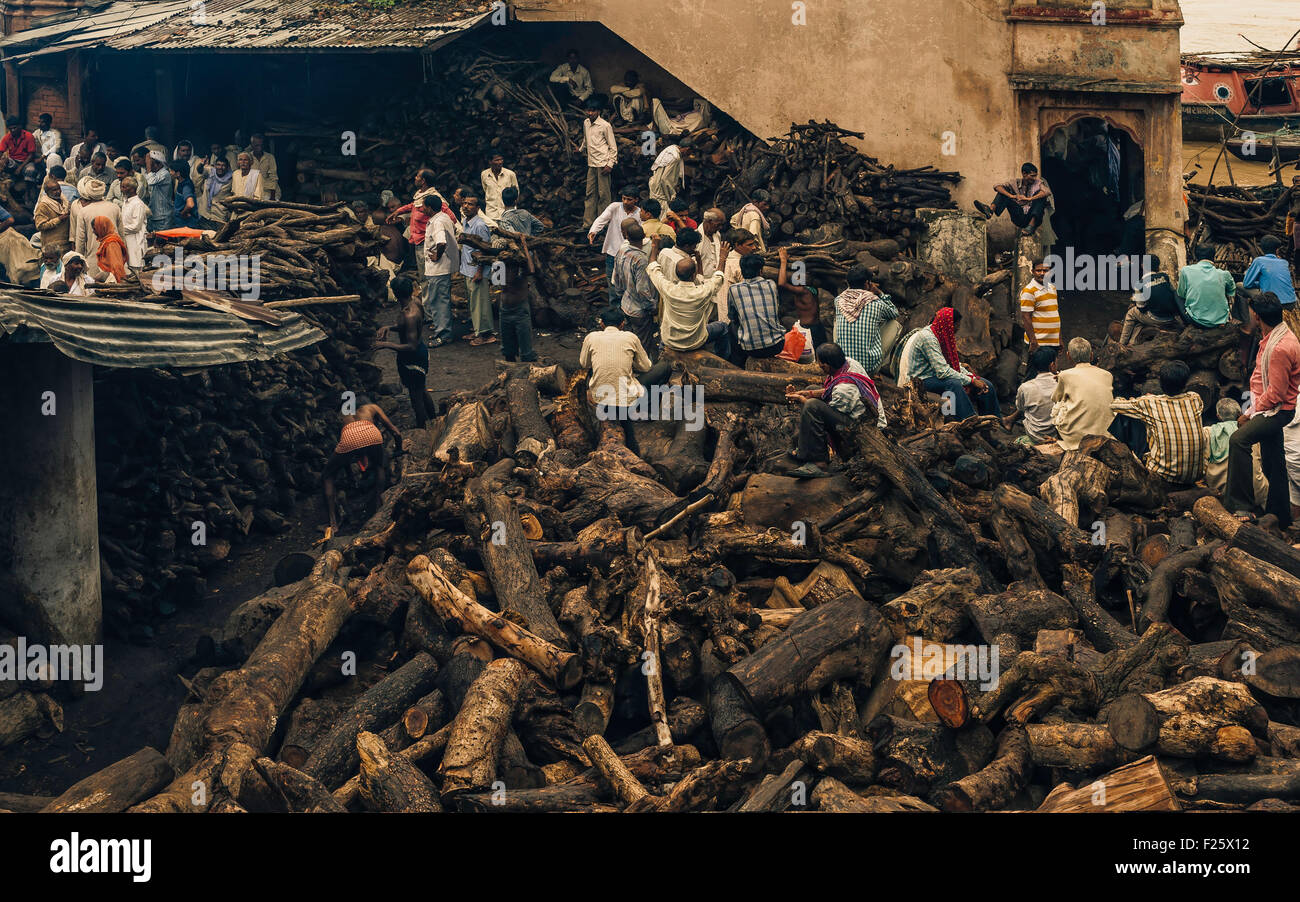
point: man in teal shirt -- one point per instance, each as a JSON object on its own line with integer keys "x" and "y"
{"x": 1205, "y": 291}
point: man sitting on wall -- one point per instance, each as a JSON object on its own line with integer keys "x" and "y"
{"x": 1026, "y": 200}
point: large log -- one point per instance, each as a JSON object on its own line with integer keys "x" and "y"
{"x": 117, "y": 787}
{"x": 335, "y": 757}
{"x": 455, "y": 607}
{"x": 843, "y": 638}
{"x": 245, "y": 704}
{"x": 1248, "y": 537}
{"x": 1139, "y": 786}
{"x": 994, "y": 786}
{"x": 492, "y": 518}
{"x": 469, "y": 763}
{"x": 390, "y": 782}
{"x": 1202, "y": 717}
{"x": 533, "y": 437}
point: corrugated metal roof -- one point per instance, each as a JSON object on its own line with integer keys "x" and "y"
{"x": 138, "y": 334}
{"x": 250, "y": 25}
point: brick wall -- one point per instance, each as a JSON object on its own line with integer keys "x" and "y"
{"x": 17, "y": 15}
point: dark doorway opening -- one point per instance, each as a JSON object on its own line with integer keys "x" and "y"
{"x": 1097, "y": 174}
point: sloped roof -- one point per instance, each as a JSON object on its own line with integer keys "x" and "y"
{"x": 139, "y": 334}
{"x": 249, "y": 25}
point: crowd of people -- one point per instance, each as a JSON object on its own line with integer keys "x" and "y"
{"x": 95, "y": 207}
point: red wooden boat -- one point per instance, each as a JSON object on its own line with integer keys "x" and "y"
{"x": 1256, "y": 92}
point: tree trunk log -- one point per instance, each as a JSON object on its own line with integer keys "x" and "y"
{"x": 389, "y": 782}
{"x": 117, "y": 787}
{"x": 469, "y": 763}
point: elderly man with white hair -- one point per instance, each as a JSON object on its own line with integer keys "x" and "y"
{"x": 1082, "y": 398}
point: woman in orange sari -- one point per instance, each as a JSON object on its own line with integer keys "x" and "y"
{"x": 111, "y": 255}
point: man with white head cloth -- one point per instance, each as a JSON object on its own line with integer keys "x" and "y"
{"x": 159, "y": 179}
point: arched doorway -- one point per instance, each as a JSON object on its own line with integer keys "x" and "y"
{"x": 1096, "y": 168}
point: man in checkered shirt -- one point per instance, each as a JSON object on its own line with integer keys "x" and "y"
{"x": 754, "y": 312}
{"x": 1173, "y": 420}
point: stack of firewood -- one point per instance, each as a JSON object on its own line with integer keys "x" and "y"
{"x": 561, "y": 613}
{"x": 242, "y": 442}
{"x": 1235, "y": 218}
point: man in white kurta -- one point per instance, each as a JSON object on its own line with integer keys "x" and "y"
{"x": 666, "y": 173}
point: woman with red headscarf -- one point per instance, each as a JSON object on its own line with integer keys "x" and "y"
{"x": 111, "y": 255}
{"x": 930, "y": 358}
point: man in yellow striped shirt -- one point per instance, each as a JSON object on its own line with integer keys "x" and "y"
{"x": 1039, "y": 313}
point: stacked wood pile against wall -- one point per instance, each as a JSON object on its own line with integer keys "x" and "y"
{"x": 822, "y": 187}
{"x": 230, "y": 447}
{"x": 554, "y": 613}
{"x": 1234, "y": 219}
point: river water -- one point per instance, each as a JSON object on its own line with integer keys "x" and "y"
{"x": 1214, "y": 25}
{"x": 1218, "y": 24}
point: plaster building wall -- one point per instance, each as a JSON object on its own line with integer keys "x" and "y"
{"x": 916, "y": 75}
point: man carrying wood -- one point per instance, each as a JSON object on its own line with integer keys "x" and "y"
{"x": 685, "y": 323}
{"x": 611, "y": 220}
{"x": 1175, "y": 442}
{"x": 1273, "y": 388}
{"x": 602, "y": 155}
{"x": 360, "y": 443}
{"x": 516, "y": 315}
{"x": 412, "y": 355}
{"x": 846, "y": 394}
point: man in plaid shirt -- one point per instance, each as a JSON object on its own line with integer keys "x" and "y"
{"x": 1173, "y": 420}
{"x": 754, "y": 312}
{"x": 637, "y": 295}
{"x": 860, "y": 317}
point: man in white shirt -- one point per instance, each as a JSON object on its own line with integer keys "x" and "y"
{"x": 574, "y": 76}
{"x": 496, "y": 178}
{"x": 684, "y": 322}
{"x": 264, "y": 162}
{"x": 442, "y": 259}
{"x": 666, "y": 173}
{"x": 49, "y": 140}
{"x": 614, "y": 356}
{"x": 602, "y": 154}
{"x": 611, "y": 220}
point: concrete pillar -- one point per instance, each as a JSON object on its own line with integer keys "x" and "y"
{"x": 49, "y": 522}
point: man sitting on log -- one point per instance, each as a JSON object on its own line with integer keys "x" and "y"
{"x": 1228, "y": 412}
{"x": 1034, "y": 398}
{"x": 361, "y": 443}
{"x": 1026, "y": 200}
{"x": 846, "y": 394}
{"x": 685, "y": 324}
{"x": 754, "y": 312}
{"x": 1155, "y": 303}
{"x": 1273, "y": 388}
{"x": 1081, "y": 402}
{"x": 1175, "y": 442}
{"x": 1269, "y": 272}
{"x": 614, "y": 356}
{"x": 1204, "y": 291}
{"x": 930, "y": 359}
{"x": 412, "y": 353}
{"x": 861, "y": 315}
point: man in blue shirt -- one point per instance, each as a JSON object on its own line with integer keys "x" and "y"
{"x": 1270, "y": 272}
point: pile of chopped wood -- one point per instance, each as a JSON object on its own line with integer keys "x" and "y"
{"x": 230, "y": 447}
{"x": 1235, "y": 218}
{"x": 559, "y": 613}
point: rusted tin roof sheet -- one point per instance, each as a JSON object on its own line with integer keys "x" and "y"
{"x": 138, "y": 334}
{"x": 251, "y": 25}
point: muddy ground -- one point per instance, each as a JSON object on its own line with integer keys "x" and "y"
{"x": 142, "y": 689}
